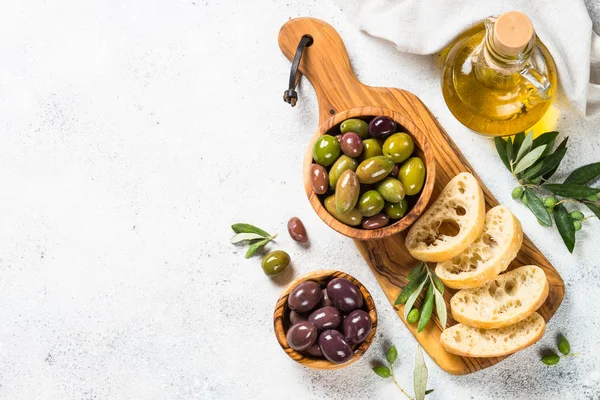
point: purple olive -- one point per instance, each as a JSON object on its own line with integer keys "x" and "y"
{"x": 325, "y": 299}
{"x": 334, "y": 347}
{"x": 382, "y": 127}
{"x": 376, "y": 221}
{"x": 326, "y": 318}
{"x": 351, "y": 144}
{"x": 315, "y": 350}
{"x": 357, "y": 326}
{"x": 302, "y": 335}
{"x": 297, "y": 317}
{"x": 297, "y": 230}
{"x": 395, "y": 171}
{"x": 344, "y": 295}
{"x": 305, "y": 297}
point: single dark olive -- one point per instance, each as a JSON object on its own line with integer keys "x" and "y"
{"x": 347, "y": 190}
{"x": 376, "y": 221}
{"x": 318, "y": 178}
{"x": 297, "y": 317}
{"x": 325, "y": 318}
{"x": 382, "y": 127}
{"x": 371, "y": 148}
{"x": 396, "y": 210}
{"x": 326, "y": 150}
{"x": 398, "y": 147}
{"x": 352, "y": 218}
{"x": 302, "y": 335}
{"x": 394, "y": 173}
{"x": 334, "y": 346}
{"x": 358, "y": 126}
{"x": 325, "y": 298}
{"x": 344, "y": 295}
{"x": 315, "y": 350}
{"x": 351, "y": 144}
{"x": 304, "y": 297}
{"x": 275, "y": 262}
{"x": 297, "y": 230}
{"x": 357, "y": 326}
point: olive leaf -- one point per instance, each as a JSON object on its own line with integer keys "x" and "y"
{"x": 438, "y": 283}
{"x": 253, "y": 248}
{"x": 565, "y": 226}
{"x": 571, "y": 190}
{"x": 595, "y": 208}
{"x": 408, "y": 290}
{"x": 420, "y": 375}
{"x": 584, "y": 175}
{"x": 241, "y": 237}
{"x": 412, "y": 298}
{"x": 391, "y": 355}
{"x": 529, "y": 159}
{"x": 382, "y": 371}
{"x": 427, "y": 308}
{"x": 440, "y": 308}
{"x": 562, "y": 145}
{"x": 524, "y": 147}
{"x": 510, "y": 153}
{"x": 545, "y": 165}
{"x": 537, "y": 207}
{"x": 547, "y": 138}
{"x": 247, "y": 228}
{"x": 429, "y": 391}
{"x": 415, "y": 272}
{"x": 501, "y": 149}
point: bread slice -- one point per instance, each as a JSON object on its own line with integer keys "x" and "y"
{"x": 452, "y": 222}
{"x": 488, "y": 256}
{"x": 506, "y": 300}
{"x": 476, "y": 342}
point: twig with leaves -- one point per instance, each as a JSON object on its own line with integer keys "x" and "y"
{"x": 533, "y": 162}
{"x": 420, "y": 374}
{"x": 252, "y": 235}
{"x": 421, "y": 277}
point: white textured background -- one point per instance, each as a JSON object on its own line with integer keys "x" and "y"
{"x": 133, "y": 133}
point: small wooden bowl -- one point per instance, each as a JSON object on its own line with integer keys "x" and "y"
{"x": 281, "y": 319}
{"x": 422, "y": 150}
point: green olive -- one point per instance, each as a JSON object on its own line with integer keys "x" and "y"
{"x": 413, "y": 316}
{"x": 391, "y": 189}
{"x": 358, "y": 126}
{"x": 412, "y": 175}
{"x": 551, "y": 359}
{"x": 343, "y": 163}
{"x": 347, "y": 191}
{"x": 374, "y": 169}
{"x": 370, "y": 203}
{"x": 396, "y": 210}
{"x": 275, "y": 262}
{"x": 371, "y": 148}
{"x": 398, "y": 147}
{"x": 353, "y": 218}
{"x": 326, "y": 150}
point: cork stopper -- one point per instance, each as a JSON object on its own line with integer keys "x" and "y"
{"x": 512, "y": 32}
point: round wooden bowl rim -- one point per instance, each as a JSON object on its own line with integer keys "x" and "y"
{"x": 280, "y": 309}
{"x": 421, "y": 142}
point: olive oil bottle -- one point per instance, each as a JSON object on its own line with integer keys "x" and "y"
{"x": 498, "y": 78}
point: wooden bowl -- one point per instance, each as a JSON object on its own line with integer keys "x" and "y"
{"x": 422, "y": 150}
{"x": 281, "y": 320}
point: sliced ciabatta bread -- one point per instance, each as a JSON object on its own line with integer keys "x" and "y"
{"x": 506, "y": 300}
{"x": 476, "y": 342}
{"x": 452, "y": 222}
{"x": 488, "y": 255}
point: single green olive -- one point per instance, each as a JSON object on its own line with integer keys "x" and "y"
{"x": 551, "y": 359}
{"x": 352, "y": 218}
{"x": 412, "y": 175}
{"x": 374, "y": 169}
{"x": 413, "y": 316}
{"x": 275, "y": 262}
{"x": 326, "y": 150}
{"x": 396, "y": 210}
{"x": 370, "y": 203}
{"x": 371, "y": 148}
{"x": 391, "y": 190}
{"x": 398, "y": 147}
{"x": 358, "y": 126}
{"x": 343, "y": 163}
{"x": 347, "y": 191}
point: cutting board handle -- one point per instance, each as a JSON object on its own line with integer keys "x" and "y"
{"x": 325, "y": 63}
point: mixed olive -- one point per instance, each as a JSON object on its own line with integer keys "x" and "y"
{"x": 366, "y": 172}
{"x": 327, "y": 322}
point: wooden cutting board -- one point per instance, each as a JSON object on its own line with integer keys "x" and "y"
{"x": 327, "y": 66}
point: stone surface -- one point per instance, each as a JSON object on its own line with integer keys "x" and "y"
{"x": 133, "y": 134}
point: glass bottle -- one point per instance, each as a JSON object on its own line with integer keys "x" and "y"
{"x": 498, "y": 78}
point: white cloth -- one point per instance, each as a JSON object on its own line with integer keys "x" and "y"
{"x": 564, "y": 26}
